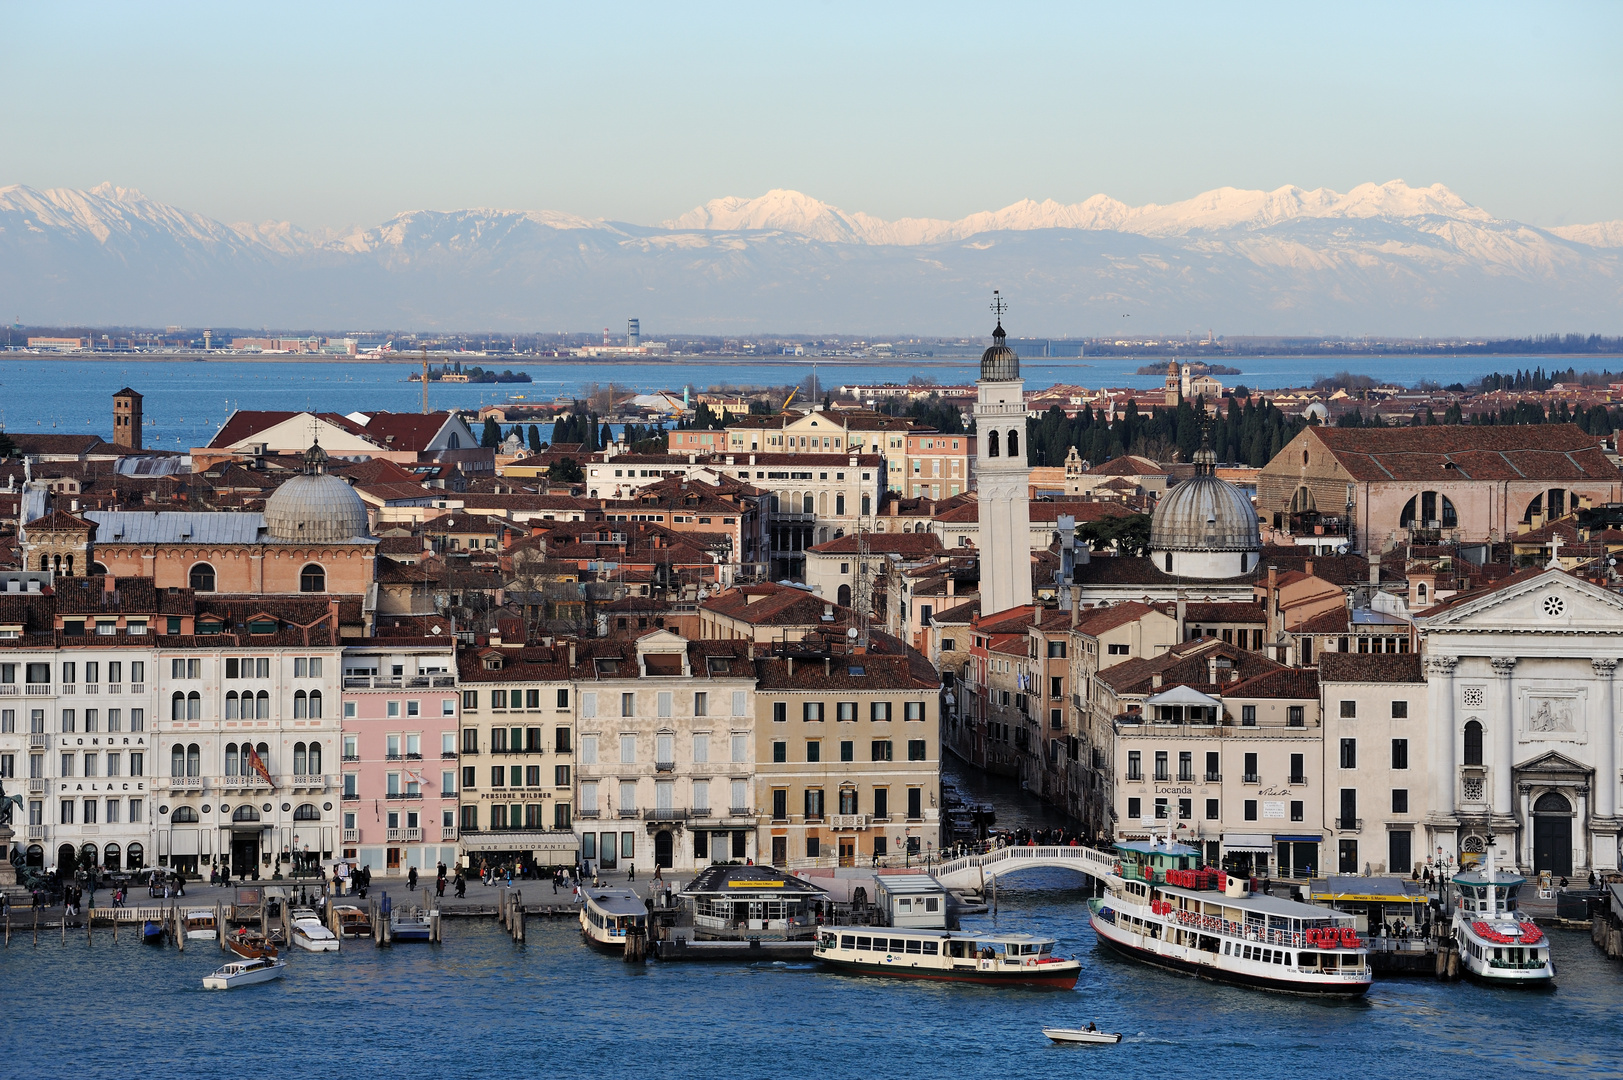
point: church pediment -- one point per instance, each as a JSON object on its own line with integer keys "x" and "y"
{"x": 1549, "y": 602}
{"x": 1552, "y": 765}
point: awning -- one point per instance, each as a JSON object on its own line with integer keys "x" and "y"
{"x": 1254, "y": 842}
{"x": 1302, "y": 839}
{"x": 1183, "y": 695}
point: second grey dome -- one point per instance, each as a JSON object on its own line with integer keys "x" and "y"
{"x": 315, "y": 509}
{"x": 1204, "y": 514}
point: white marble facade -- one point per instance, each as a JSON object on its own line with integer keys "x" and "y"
{"x": 1523, "y": 721}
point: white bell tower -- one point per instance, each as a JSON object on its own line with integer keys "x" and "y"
{"x": 1002, "y": 477}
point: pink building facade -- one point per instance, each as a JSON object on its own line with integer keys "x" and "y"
{"x": 401, "y": 714}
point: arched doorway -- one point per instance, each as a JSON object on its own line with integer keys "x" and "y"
{"x": 245, "y": 841}
{"x": 662, "y": 849}
{"x": 34, "y": 857}
{"x": 67, "y": 859}
{"x": 1552, "y": 834}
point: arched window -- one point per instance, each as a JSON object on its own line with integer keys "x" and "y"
{"x": 298, "y": 759}
{"x": 110, "y": 856}
{"x": 313, "y": 579}
{"x": 867, "y": 505}
{"x": 194, "y": 706}
{"x": 231, "y": 705}
{"x": 315, "y": 759}
{"x": 264, "y": 755}
{"x": 245, "y": 812}
{"x": 70, "y": 574}
{"x": 184, "y": 815}
{"x": 1420, "y": 592}
{"x": 843, "y": 596}
{"x": 300, "y": 705}
{"x": 454, "y": 442}
{"x": 991, "y": 444}
{"x": 315, "y": 704}
{"x": 1014, "y": 444}
{"x": 307, "y": 812}
{"x": 839, "y": 505}
{"x": 1552, "y": 803}
{"x": 135, "y": 858}
{"x": 194, "y": 760}
{"x": 177, "y": 760}
{"x": 1302, "y": 501}
{"x": 261, "y": 705}
{"x": 177, "y": 706}
{"x": 1169, "y": 562}
{"x": 98, "y": 568}
{"x": 807, "y": 506}
{"x": 44, "y": 563}
{"x": 232, "y": 764}
{"x": 202, "y": 577}
{"x": 1473, "y": 743}
{"x": 1429, "y": 510}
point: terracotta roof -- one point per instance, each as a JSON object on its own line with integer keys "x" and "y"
{"x": 1297, "y": 683}
{"x": 776, "y": 605}
{"x": 1098, "y": 620}
{"x": 30, "y": 443}
{"x": 1224, "y": 613}
{"x": 1128, "y": 465}
{"x": 1509, "y": 452}
{"x": 1370, "y": 668}
{"x": 60, "y": 521}
{"x": 905, "y": 544}
{"x": 1185, "y": 664}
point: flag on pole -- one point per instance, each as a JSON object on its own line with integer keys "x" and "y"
{"x": 258, "y": 765}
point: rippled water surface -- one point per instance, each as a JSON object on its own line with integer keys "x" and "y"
{"x": 478, "y": 1006}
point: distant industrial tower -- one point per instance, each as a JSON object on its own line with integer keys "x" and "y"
{"x": 633, "y": 333}
{"x": 127, "y": 419}
{"x": 1002, "y": 476}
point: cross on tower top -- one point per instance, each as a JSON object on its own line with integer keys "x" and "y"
{"x": 999, "y": 306}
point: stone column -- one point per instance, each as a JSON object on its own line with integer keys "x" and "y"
{"x": 1524, "y": 854}
{"x": 1440, "y": 689}
{"x": 1606, "y": 743}
{"x": 1504, "y": 741}
{"x": 1581, "y": 829}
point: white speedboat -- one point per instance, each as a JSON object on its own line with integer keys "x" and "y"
{"x": 1082, "y": 1035}
{"x": 310, "y": 935}
{"x": 1497, "y": 942}
{"x": 200, "y": 925}
{"x": 1161, "y": 907}
{"x": 244, "y": 973}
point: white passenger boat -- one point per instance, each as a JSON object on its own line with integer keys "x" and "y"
{"x": 1162, "y": 908}
{"x": 200, "y": 925}
{"x": 310, "y": 934}
{"x": 244, "y": 973}
{"x": 1082, "y": 1035}
{"x": 1497, "y": 941}
{"x": 993, "y": 959}
{"x": 608, "y": 913}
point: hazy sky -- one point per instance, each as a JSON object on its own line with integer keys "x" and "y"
{"x": 337, "y": 114}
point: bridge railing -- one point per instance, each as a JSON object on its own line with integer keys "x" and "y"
{"x": 1088, "y": 860}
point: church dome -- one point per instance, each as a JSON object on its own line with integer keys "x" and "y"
{"x": 999, "y": 363}
{"x": 1205, "y": 527}
{"x": 315, "y": 508}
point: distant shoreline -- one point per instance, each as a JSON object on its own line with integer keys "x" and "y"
{"x": 1575, "y": 360}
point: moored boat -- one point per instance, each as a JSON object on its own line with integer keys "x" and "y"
{"x": 607, "y": 914}
{"x": 1161, "y": 907}
{"x": 1497, "y": 941}
{"x": 245, "y": 973}
{"x": 408, "y": 924}
{"x": 152, "y": 932}
{"x": 352, "y": 921}
{"x": 250, "y": 946}
{"x": 948, "y": 956}
{"x": 200, "y": 925}
{"x": 309, "y": 934}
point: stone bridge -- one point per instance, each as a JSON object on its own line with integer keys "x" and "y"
{"x": 974, "y": 871}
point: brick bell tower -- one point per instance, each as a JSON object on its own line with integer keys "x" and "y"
{"x": 127, "y": 419}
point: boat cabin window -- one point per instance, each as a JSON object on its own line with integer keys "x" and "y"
{"x": 913, "y": 945}
{"x": 931, "y": 948}
{"x": 958, "y": 949}
{"x": 848, "y": 941}
{"x": 865, "y": 944}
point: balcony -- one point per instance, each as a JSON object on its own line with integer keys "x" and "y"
{"x": 628, "y": 813}
{"x": 1298, "y": 780}
{"x": 65, "y": 688}
{"x": 413, "y": 757}
{"x": 37, "y": 690}
{"x": 588, "y": 815}
{"x": 313, "y": 781}
{"x": 404, "y": 795}
{"x": 447, "y": 832}
{"x": 398, "y": 682}
{"x": 352, "y": 836}
{"x": 666, "y": 813}
{"x": 395, "y": 835}
{"x": 1251, "y": 778}
{"x": 36, "y": 786}
{"x": 664, "y": 766}
{"x": 849, "y": 821}
{"x": 138, "y": 688}
{"x": 114, "y": 688}
{"x": 92, "y": 688}
{"x": 701, "y": 812}
{"x": 8, "y": 689}
{"x": 1214, "y": 778}
{"x": 447, "y": 755}
{"x": 251, "y": 781}
{"x": 1348, "y": 824}
{"x": 36, "y": 832}
{"x": 38, "y": 741}
{"x": 185, "y": 783}
{"x": 351, "y": 796}
{"x": 351, "y": 757}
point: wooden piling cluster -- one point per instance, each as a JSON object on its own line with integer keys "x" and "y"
{"x": 510, "y": 913}
{"x": 1607, "y": 937}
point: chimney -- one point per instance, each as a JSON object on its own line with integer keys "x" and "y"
{"x": 1211, "y": 669}
{"x": 1307, "y": 568}
{"x": 1374, "y": 567}
{"x": 1183, "y": 614}
{"x": 952, "y": 583}
{"x": 1076, "y": 605}
{"x": 1037, "y": 616}
{"x": 1155, "y": 681}
{"x": 571, "y": 654}
{"x": 791, "y": 661}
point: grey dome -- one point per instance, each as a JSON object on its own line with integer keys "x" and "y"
{"x": 315, "y": 509}
{"x": 1204, "y": 514}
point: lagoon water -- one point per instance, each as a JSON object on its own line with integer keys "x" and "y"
{"x": 478, "y": 1006}
{"x": 187, "y": 401}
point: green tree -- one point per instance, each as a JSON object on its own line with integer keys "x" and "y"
{"x": 535, "y": 439}
{"x": 1128, "y": 534}
{"x": 492, "y": 435}
{"x": 565, "y": 471}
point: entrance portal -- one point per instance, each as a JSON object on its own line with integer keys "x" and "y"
{"x": 1552, "y": 834}
{"x": 848, "y": 851}
{"x": 245, "y": 853}
{"x": 662, "y": 849}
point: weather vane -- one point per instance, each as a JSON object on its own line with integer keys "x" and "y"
{"x": 999, "y": 306}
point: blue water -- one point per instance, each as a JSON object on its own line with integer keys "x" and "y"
{"x": 478, "y": 1006}
{"x": 188, "y": 401}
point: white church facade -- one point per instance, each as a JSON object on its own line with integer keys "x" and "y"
{"x": 1523, "y": 717}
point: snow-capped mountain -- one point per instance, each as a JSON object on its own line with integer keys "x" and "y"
{"x": 1381, "y": 258}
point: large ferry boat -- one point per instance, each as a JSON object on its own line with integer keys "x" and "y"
{"x": 1497, "y": 941}
{"x": 607, "y": 914}
{"x": 993, "y": 959}
{"x": 1163, "y": 908}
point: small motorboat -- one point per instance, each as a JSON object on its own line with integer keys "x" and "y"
{"x": 310, "y": 935}
{"x": 251, "y": 946}
{"x": 200, "y": 925}
{"x": 408, "y": 924}
{"x": 152, "y": 932}
{"x": 352, "y": 921}
{"x": 1082, "y": 1035}
{"x": 244, "y": 973}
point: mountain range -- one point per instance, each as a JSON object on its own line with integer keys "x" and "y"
{"x": 1384, "y": 259}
